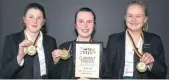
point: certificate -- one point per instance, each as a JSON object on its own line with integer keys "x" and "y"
{"x": 87, "y": 59}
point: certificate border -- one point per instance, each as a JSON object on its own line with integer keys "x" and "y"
{"x": 100, "y": 54}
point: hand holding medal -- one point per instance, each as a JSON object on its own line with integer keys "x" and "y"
{"x": 147, "y": 58}
{"x": 22, "y": 47}
{"x": 31, "y": 49}
{"x": 63, "y": 54}
{"x": 56, "y": 55}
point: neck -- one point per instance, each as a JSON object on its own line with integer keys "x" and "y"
{"x": 86, "y": 39}
{"x": 32, "y": 34}
{"x": 135, "y": 35}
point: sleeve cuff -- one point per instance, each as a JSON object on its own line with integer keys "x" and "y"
{"x": 22, "y": 62}
{"x": 150, "y": 66}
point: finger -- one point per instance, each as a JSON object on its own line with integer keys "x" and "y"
{"x": 57, "y": 52}
{"x": 151, "y": 58}
{"x": 30, "y": 42}
{"x": 27, "y": 43}
{"x": 53, "y": 54}
{"x": 56, "y": 55}
{"x": 23, "y": 44}
{"x": 147, "y": 61}
{"x": 60, "y": 52}
{"x": 145, "y": 58}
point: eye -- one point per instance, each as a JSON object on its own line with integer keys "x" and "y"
{"x": 138, "y": 16}
{"x": 30, "y": 16}
{"x": 80, "y": 21}
{"x": 130, "y": 16}
{"x": 89, "y": 21}
{"x": 39, "y": 17}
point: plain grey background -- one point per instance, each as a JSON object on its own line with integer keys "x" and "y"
{"x": 60, "y": 18}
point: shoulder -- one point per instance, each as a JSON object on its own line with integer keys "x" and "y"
{"x": 48, "y": 37}
{"x": 152, "y": 36}
{"x": 18, "y": 34}
{"x": 14, "y": 36}
{"x": 116, "y": 36}
{"x": 65, "y": 44}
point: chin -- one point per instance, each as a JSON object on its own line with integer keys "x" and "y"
{"x": 135, "y": 29}
{"x": 85, "y": 36}
{"x": 35, "y": 31}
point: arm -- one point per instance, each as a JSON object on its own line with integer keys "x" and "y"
{"x": 9, "y": 63}
{"x": 53, "y": 68}
{"x": 159, "y": 67}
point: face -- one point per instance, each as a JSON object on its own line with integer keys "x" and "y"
{"x": 34, "y": 20}
{"x": 85, "y": 24}
{"x": 135, "y": 17}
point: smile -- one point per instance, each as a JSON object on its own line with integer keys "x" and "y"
{"x": 85, "y": 30}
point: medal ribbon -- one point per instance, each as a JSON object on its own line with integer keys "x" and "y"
{"x": 133, "y": 44}
{"x": 36, "y": 40}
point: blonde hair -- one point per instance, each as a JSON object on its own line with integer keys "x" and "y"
{"x": 140, "y": 3}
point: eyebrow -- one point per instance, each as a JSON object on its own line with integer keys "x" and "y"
{"x": 33, "y": 15}
{"x": 132, "y": 14}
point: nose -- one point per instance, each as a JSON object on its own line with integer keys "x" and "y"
{"x": 85, "y": 25}
{"x": 133, "y": 19}
{"x": 35, "y": 20}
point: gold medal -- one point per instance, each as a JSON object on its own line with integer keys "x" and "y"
{"x": 31, "y": 50}
{"x": 65, "y": 54}
{"x": 141, "y": 67}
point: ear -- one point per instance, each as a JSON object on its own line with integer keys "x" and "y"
{"x": 44, "y": 21}
{"x": 125, "y": 18}
{"x": 24, "y": 19}
{"x": 94, "y": 26}
{"x": 146, "y": 19}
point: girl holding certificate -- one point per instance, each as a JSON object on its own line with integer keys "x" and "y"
{"x": 26, "y": 54}
{"x": 85, "y": 23}
{"x": 136, "y": 53}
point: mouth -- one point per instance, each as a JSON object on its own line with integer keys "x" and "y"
{"x": 34, "y": 25}
{"x": 134, "y": 24}
{"x": 85, "y": 30}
